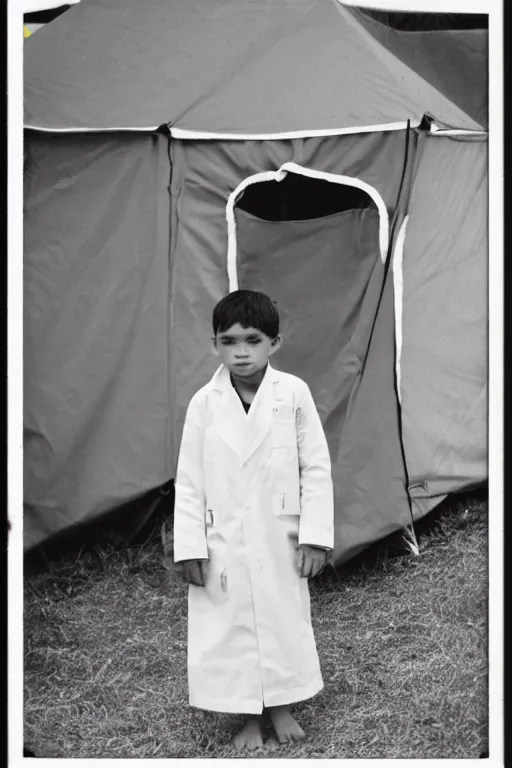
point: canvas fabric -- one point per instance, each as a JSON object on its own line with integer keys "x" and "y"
{"x": 203, "y": 176}
{"x": 231, "y": 67}
{"x": 444, "y": 357}
{"x": 96, "y": 327}
{"x": 452, "y": 61}
{"x": 327, "y": 277}
{"x": 126, "y": 243}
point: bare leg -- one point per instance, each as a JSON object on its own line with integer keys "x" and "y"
{"x": 250, "y": 737}
{"x": 285, "y": 725}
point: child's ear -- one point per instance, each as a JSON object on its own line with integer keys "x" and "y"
{"x": 214, "y": 346}
{"x": 275, "y": 344}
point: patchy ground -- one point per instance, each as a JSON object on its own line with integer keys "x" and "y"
{"x": 402, "y": 643}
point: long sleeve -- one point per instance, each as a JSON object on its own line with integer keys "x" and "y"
{"x": 189, "y": 505}
{"x": 316, "y": 489}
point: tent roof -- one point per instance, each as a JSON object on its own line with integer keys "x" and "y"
{"x": 256, "y": 68}
{"x": 451, "y": 53}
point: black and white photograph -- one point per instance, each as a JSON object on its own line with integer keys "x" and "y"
{"x": 254, "y": 410}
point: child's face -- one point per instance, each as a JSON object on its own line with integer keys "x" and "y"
{"x": 245, "y": 351}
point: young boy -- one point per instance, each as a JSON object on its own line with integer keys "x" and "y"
{"x": 253, "y": 520}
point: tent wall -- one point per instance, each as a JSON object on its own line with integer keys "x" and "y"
{"x": 119, "y": 292}
{"x": 444, "y": 321}
{"x": 96, "y": 322}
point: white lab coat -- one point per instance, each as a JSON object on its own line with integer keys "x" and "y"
{"x": 249, "y": 489}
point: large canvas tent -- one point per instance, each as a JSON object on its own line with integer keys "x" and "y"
{"x": 175, "y": 151}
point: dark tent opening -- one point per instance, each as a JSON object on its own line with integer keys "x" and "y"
{"x": 299, "y": 198}
{"x": 428, "y": 22}
{"x": 46, "y": 15}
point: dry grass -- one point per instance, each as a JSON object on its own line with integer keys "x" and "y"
{"x": 402, "y": 642}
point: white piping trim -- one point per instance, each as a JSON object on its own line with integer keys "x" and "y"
{"x": 455, "y": 132}
{"x": 398, "y": 288}
{"x": 184, "y": 133}
{"x": 438, "y": 130}
{"x": 230, "y": 217}
{"x": 279, "y": 175}
{"x": 421, "y": 6}
{"x": 110, "y": 129}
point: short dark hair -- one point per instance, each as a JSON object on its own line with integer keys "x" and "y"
{"x": 251, "y": 309}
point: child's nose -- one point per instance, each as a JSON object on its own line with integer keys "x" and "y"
{"x": 241, "y": 351}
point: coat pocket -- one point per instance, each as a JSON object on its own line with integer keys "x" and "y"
{"x": 285, "y": 463}
{"x": 216, "y": 586}
{"x": 284, "y": 433}
{"x": 286, "y": 503}
{"x": 285, "y": 481}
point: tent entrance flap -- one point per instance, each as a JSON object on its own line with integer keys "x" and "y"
{"x": 314, "y": 247}
{"x": 340, "y": 202}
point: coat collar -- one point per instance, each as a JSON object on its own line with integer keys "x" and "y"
{"x": 245, "y": 432}
{"x": 221, "y": 378}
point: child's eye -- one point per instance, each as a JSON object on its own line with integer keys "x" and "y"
{"x": 254, "y": 342}
{"x": 226, "y": 342}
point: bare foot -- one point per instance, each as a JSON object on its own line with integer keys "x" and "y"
{"x": 250, "y": 737}
{"x": 285, "y": 725}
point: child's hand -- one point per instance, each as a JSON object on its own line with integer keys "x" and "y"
{"x": 194, "y": 572}
{"x": 310, "y": 560}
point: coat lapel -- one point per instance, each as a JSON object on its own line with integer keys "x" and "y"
{"x": 244, "y": 433}
{"x": 229, "y": 411}
{"x": 259, "y": 418}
